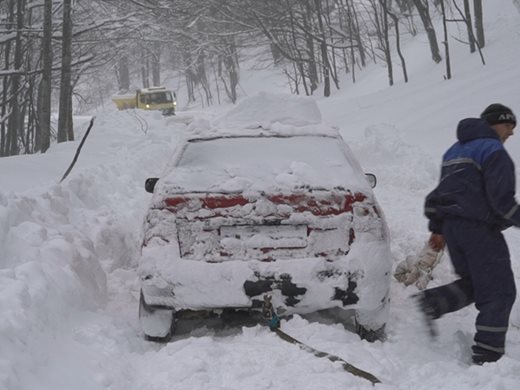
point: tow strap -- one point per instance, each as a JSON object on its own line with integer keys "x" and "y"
{"x": 273, "y": 321}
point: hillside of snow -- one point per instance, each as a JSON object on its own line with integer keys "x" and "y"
{"x": 69, "y": 251}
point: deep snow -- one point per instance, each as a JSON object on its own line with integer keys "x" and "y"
{"x": 68, "y": 252}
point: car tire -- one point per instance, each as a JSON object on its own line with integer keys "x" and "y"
{"x": 168, "y": 112}
{"x": 350, "y": 319}
{"x": 157, "y": 322}
{"x": 371, "y": 335}
{"x": 370, "y": 323}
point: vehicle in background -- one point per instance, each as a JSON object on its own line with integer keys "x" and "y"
{"x": 277, "y": 209}
{"x": 153, "y": 98}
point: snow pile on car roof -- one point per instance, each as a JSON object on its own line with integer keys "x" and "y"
{"x": 264, "y": 109}
{"x": 265, "y": 114}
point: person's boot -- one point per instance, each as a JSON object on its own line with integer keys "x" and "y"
{"x": 481, "y": 355}
{"x": 428, "y": 312}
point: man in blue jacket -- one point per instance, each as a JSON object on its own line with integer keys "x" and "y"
{"x": 473, "y": 202}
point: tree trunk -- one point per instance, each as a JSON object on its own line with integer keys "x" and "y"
{"x": 467, "y": 16}
{"x": 360, "y": 47}
{"x": 332, "y": 61}
{"x": 516, "y": 3}
{"x": 350, "y": 26}
{"x": 156, "y": 65}
{"x": 231, "y": 70}
{"x": 479, "y": 23}
{"x": 15, "y": 121}
{"x": 275, "y": 52}
{"x": 65, "y": 113}
{"x": 145, "y": 74}
{"x": 398, "y": 45}
{"x": 298, "y": 64}
{"x": 446, "y": 46}
{"x": 312, "y": 72}
{"x": 385, "y": 42}
{"x": 70, "y": 122}
{"x": 4, "y": 144}
{"x": 189, "y": 76}
{"x": 123, "y": 74}
{"x": 29, "y": 92}
{"x": 424, "y": 13}
{"x": 203, "y": 78}
{"x": 43, "y": 137}
{"x": 324, "y": 51}
{"x": 28, "y": 115}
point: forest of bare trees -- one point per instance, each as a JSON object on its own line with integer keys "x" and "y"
{"x": 61, "y": 57}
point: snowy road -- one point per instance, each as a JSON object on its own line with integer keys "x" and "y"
{"x": 75, "y": 326}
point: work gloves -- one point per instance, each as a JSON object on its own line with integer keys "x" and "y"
{"x": 417, "y": 269}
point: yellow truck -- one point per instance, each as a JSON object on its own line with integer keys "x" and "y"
{"x": 153, "y": 98}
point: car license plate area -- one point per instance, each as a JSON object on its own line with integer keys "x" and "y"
{"x": 263, "y": 237}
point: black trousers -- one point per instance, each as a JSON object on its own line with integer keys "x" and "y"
{"x": 481, "y": 259}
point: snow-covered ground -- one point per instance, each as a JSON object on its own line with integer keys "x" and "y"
{"x": 68, "y": 252}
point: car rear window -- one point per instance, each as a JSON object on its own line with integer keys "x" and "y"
{"x": 277, "y": 152}
{"x": 237, "y": 163}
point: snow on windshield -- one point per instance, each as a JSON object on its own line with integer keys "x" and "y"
{"x": 265, "y": 163}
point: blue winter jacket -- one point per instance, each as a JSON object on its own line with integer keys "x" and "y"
{"x": 477, "y": 180}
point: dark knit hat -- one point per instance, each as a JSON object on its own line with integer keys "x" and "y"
{"x": 497, "y": 113}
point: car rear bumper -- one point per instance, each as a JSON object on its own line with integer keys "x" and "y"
{"x": 358, "y": 280}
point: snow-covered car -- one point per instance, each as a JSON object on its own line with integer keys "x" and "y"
{"x": 279, "y": 208}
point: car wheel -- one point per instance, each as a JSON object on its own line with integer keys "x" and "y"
{"x": 356, "y": 321}
{"x": 370, "y": 335}
{"x": 168, "y": 112}
{"x": 157, "y": 322}
{"x": 370, "y": 323}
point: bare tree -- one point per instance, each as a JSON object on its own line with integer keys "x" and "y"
{"x": 307, "y": 66}
{"x": 395, "y": 20}
{"x": 479, "y": 23}
{"x": 467, "y": 17}
{"x": 6, "y": 111}
{"x": 15, "y": 120}
{"x": 445, "y": 42}
{"x": 516, "y": 3}
{"x": 65, "y": 123}
{"x": 324, "y": 51}
{"x": 424, "y": 13}
{"x": 123, "y": 74}
{"x": 43, "y": 137}
{"x": 381, "y": 25}
{"x": 156, "y": 63}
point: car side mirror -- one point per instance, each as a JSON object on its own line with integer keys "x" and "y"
{"x": 149, "y": 184}
{"x": 372, "y": 179}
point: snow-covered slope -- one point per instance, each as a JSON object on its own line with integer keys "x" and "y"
{"x": 68, "y": 286}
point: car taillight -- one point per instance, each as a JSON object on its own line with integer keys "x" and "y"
{"x": 321, "y": 206}
{"x": 206, "y": 202}
{"x": 217, "y": 202}
{"x": 175, "y": 201}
